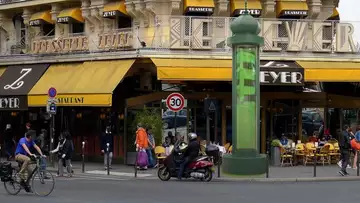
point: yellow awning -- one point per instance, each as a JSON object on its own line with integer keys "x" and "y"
{"x": 335, "y": 15}
{"x": 329, "y": 71}
{"x": 199, "y": 6}
{"x": 238, "y": 7}
{"x": 41, "y": 17}
{"x": 2, "y": 70}
{"x": 115, "y": 8}
{"x": 71, "y": 13}
{"x": 294, "y": 8}
{"x": 193, "y": 69}
{"x": 81, "y": 84}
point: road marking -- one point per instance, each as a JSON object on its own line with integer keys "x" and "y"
{"x": 89, "y": 178}
{"x": 140, "y": 175}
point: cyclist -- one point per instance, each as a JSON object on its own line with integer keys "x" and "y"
{"x": 23, "y": 153}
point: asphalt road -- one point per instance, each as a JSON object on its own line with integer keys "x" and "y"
{"x": 78, "y": 190}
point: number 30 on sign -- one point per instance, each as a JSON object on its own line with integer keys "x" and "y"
{"x": 175, "y": 102}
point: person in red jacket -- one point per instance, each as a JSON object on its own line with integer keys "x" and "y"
{"x": 141, "y": 138}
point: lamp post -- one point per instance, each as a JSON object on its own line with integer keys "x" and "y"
{"x": 245, "y": 42}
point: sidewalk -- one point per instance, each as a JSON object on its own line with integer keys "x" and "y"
{"x": 276, "y": 174}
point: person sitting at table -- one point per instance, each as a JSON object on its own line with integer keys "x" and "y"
{"x": 327, "y": 135}
{"x": 284, "y": 140}
{"x": 315, "y": 137}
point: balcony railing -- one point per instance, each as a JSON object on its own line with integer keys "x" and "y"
{"x": 205, "y": 35}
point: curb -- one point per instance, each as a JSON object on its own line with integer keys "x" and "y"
{"x": 289, "y": 180}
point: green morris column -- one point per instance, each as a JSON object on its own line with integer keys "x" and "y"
{"x": 245, "y": 42}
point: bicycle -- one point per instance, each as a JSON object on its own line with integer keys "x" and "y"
{"x": 38, "y": 173}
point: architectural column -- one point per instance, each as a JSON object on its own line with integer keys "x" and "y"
{"x": 314, "y": 8}
{"x": 327, "y": 8}
{"x": 221, "y": 8}
{"x": 268, "y": 9}
{"x": 9, "y": 33}
{"x": 59, "y": 28}
{"x": 31, "y": 31}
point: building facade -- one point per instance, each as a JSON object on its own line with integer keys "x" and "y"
{"x": 109, "y": 58}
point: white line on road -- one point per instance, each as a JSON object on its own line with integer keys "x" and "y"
{"x": 140, "y": 175}
{"x": 88, "y": 178}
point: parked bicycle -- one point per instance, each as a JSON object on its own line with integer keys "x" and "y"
{"x": 12, "y": 182}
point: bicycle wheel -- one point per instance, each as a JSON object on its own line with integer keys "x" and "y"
{"x": 13, "y": 186}
{"x": 42, "y": 183}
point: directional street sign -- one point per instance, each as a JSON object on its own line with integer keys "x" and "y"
{"x": 51, "y": 106}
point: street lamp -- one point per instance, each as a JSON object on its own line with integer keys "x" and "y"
{"x": 245, "y": 42}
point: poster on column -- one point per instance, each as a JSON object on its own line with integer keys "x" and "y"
{"x": 172, "y": 122}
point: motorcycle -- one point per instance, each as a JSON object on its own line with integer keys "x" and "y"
{"x": 201, "y": 168}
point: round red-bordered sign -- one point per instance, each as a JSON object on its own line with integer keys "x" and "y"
{"x": 52, "y": 92}
{"x": 175, "y": 102}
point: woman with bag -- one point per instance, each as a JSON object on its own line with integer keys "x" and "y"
{"x": 64, "y": 150}
{"x": 142, "y": 144}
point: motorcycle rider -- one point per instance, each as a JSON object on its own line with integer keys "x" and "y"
{"x": 191, "y": 153}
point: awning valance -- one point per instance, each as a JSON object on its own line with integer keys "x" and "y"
{"x": 41, "y": 18}
{"x": 238, "y": 7}
{"x": 292, "y": 8}
{"x": 114, "y": 9}
{"x": 331, "y": 71}
{"x": 335, "y": 15}
{"x": 271, "y": 72}
{"x": 70, "y": 15}
{"x": 199, "y": 7}
{"x": 81, "y": 84}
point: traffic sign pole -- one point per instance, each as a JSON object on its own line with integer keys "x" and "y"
{"x": 175, "y": 102}
{"x": 51, "y": 109}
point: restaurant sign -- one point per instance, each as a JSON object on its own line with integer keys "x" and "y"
{"x": 70, "y": 100}
{"x": 192, "y": 9}
{"x": 61, "y": 45}
{"x": 253, "y": 12}
{"x": 13, "y": 102}
{"x": 281, "y": 73}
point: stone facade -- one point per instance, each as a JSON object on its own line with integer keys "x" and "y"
{"x": 156, "y": 24}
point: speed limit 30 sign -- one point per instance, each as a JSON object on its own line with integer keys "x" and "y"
{"x": 175, "y": 102}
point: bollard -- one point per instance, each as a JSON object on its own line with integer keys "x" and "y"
{"x": 135, "y": 166}
{"x": 83, "y": 157}
{"x": 108, "y": 158}
{"x": 267, "y": 165}
{"x": 314, "y": 165}
{"x": 219, "y": 164}
{"x": 357, "y": 163}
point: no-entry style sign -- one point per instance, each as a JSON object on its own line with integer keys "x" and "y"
{"x": 175, "y": 102}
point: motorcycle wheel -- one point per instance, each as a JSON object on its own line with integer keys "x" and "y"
{"x": 208, "y": 175}
{"x": 164, "y": 174}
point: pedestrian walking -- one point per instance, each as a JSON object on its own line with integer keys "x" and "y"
{"x": 345, "y": 147}
{"x": 64, "y": 150}
{"x": 142, "y": 144}
{"x": 9, "y": 142}
{"x": 107, "y": 138}
{"x": 150, "y": 149}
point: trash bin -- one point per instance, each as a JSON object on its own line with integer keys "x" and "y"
{"x": 275, "y": 156}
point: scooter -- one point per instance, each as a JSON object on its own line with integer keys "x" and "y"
{"x": 201, "y": 168}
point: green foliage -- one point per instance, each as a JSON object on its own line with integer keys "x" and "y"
{"x": 276, "y": 143}
{"x": 150, "y": 118}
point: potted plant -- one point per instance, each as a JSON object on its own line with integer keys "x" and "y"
{"x": 275, "y": 152}
{"x": 149, "y": 118}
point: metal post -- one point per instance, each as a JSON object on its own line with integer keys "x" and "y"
{"x": 357, "y": 163}
{"x": 267, "y": 164}
{"x": 219, "y": 164}
{"x": 108, "y": 158}
{"x": 136, "y": 160}
{"x": 52, "y": 135}
{"x": 207, "y": 128}
{"x": 175, "y": 123}
{"x": 83, "y": 157}
{"x": 315, "y": 164}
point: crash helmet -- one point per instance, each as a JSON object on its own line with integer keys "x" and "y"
{"x": 192, "y": 136}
